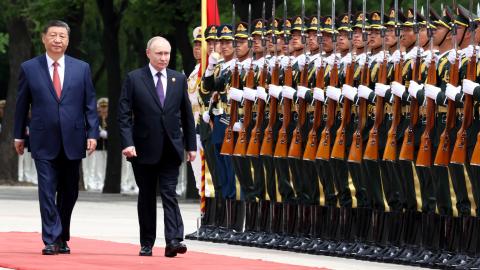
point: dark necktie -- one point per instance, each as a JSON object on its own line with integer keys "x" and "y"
{"x": 56, "y": 80}
{"x": 160, "y": 93}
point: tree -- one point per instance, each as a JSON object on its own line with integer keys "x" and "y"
{"x": 111, "y": 18}
{"x": 19, "y": 38}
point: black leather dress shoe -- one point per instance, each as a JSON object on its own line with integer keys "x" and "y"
{"x": 145, "y": 251}
{"x": 175, "y": 247}
{"x": 63, "y": 248}
{"x": 50, "y": 249}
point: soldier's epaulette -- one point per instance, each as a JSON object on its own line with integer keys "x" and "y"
{"x": 441, "y": 64}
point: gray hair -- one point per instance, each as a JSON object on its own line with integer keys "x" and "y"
{"x": 56, "y": 23}
{"x": 157, "y": 38}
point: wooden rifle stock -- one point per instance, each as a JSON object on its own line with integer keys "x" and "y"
{"x": 459, "y": 154}
{"x": 424, "y": 157}
{"x": 442, "y": 158}
{"x": 241, "y": 145}
{"x": 295, "y": 150}
{"x": 356, "y": 149}
{"x": 282, "y": 143}
{"x": 267, "y": 143}
{"x": 390, "y": 152}
{"x": 476, "y": 153}
{"x": 324, "y": 147}
{"x": 408, "y": 144}
{"x": 228, "y": 140}
{"x": 371, "y": 150}
{"x": 338, "y": 150}
{"x": 253, "y": 148}
{"x": 312, "y": 142}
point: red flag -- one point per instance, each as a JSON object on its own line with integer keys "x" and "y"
{"x": 209, "y": 16}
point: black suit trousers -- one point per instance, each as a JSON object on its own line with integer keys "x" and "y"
{"x": 147, "y": 176}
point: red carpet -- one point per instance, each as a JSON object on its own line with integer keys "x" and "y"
{"x": 23, "y": 251}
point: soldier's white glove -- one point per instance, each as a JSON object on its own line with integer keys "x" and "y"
{"x": 301, "y": 91}
{"x": 361, "y": 59}
{"x": 334, "y": 92}
{"x": 398, "y": 89}
{"x": 235, "y": 94}
{"x": 468, "y": 51}
{"x": 319, "y": 94}
{"x": 452, "y": 56}
{"x": 347, "y": 59}
{"x": 469, "y": 86}
{"x": 271, "y": 62}
{"x": 452, "y": 91}
{"x": 249, "y": 94}
{"x": 285, "y": 61}
{"x": 103, "y": 134}
{"x": 330, "y": 60}
{"x": 261, "y": 93}
{"x": 381, "y": 89}
{"x": 432, "y": 91}
{"x": 288, "y": 92}
{"x": 237, "y": 127}
{"x": 380, "y": 57}
{"x": 364, "y": 91}
{"x": 274, "y": 90}
{"x": 412, "y": 54}
{"x": 301, "y": 61}
{"x": 427, "y": 57}
{"x": 206, "y": 117}
{"x": 395, "y": 57}
{"x": 231, "y": 65}
{"x": 245, "y": 64}
{"x": 212, "y": 60}
{"x": 349, "y": 92}
{"x": 318, "y": 62}
{"x": 413, "y": 88}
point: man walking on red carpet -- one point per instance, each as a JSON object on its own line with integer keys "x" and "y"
{"x": 59, "y": 92}
{"x": 156, "y": 126}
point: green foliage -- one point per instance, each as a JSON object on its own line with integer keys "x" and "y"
{"x": 3, "y": 42}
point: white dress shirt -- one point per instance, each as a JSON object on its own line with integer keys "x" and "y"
{"x": 163, "y": 77}
{"x": 60, "y": 68}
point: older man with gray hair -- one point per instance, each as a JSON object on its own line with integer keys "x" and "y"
{"x": 154, "y": 141}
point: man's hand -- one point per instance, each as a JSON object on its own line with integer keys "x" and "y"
{"x": 91, "y": 146}
{"x": 19, "y": 147}
{"x": 191, "y": 156}
{"x": 129, "y": 152}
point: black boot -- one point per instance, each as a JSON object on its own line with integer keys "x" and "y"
{"x": 288, "y": 225}
{"x": 207, "y": 220}
{"x": 295, "y": 234}
{"x": 431, "y": 230}
{"x": 250, "y": 217}
{"x": 274, "y": 225}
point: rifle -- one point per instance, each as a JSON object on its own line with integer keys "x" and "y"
{"x": 324, "y": 148}
{"x": 442, "y": 158}
{"x": 241, "y": 146}
{"x": 312, "y": 141}
{"x": 338, "y": 150}
{"x": 424, "y": 157}
{"x": 371, "y": 150}
{"x": 390, "y": 152}
{"x": 282, "y": 143}
{"x": 253, "y": 148}
{"x": 459, "y": 154}
{"x": 356, "y": 149}
{"x": 295, "y": 150}
{"x": 228, "y": 140}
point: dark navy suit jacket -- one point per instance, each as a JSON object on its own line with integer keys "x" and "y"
{"x": 66, "y": 121}
{"x": 144, "y": 123}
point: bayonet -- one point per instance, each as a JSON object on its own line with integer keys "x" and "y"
{"x": 264, "y": 41}
{"x": 234, "y": 43}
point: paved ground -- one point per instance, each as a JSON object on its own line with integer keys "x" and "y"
{"x": 113, "y": 217}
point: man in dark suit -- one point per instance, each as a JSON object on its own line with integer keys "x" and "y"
{"x": 64, "y": 124}
{"x": 156, "y": 125}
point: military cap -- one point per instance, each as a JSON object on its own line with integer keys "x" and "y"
{"x": 211, "y": 32}
{"x": 197, "y": 34}
{"x": 225, "y": 32}
{"x": 274, "y": 24}
{"x": 286, "y": 27}
{"x": 445, "y": 20}
{"x": 297, "y": 23}
{"x": 359, "y": 21}
{"x": 326, "y": 23}
{"x": 241, "y": 30}
{"x": 463, "y": 16}
{"x": 376, "y": 21}
{"x": 343, "y": 23}
{"x": 102, "y": 102}
{"x": 259, "y": 26}
{"x": 391, "y": 18}
{"x": 312, "y": 24}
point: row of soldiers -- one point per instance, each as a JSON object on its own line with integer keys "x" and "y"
{"x": 335, "y": 136}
